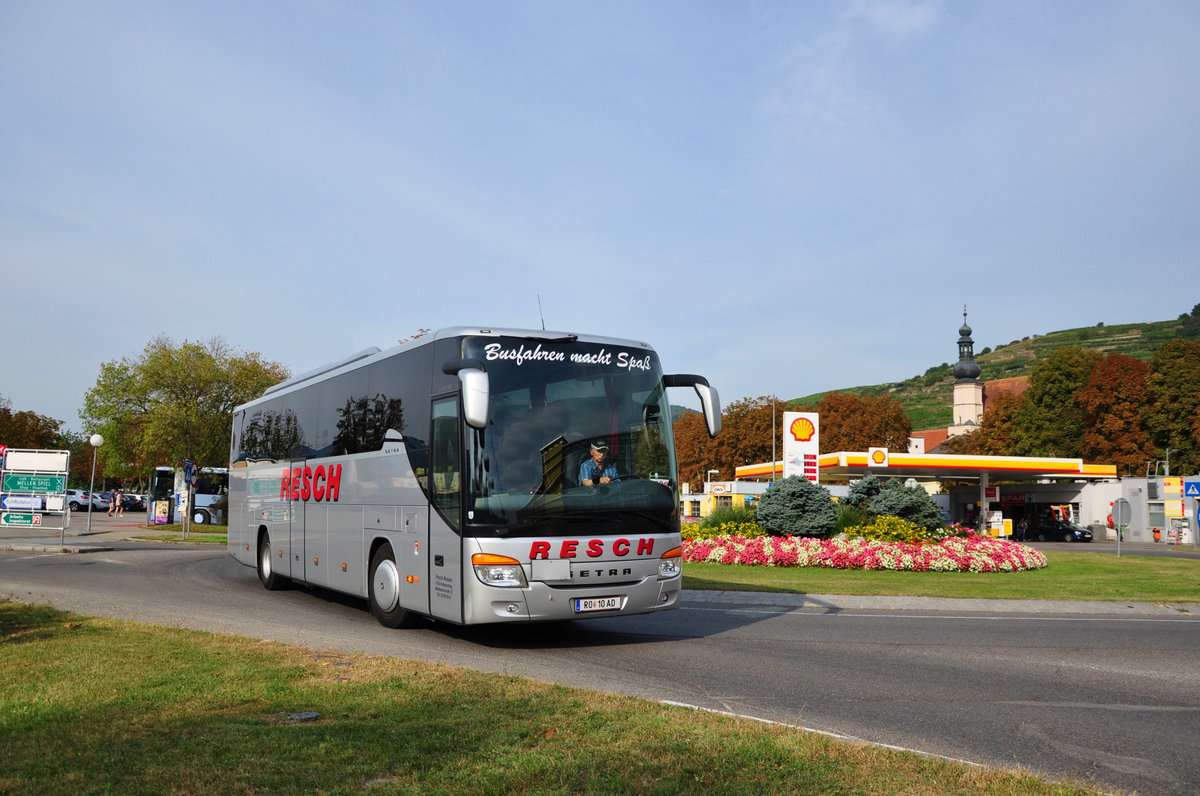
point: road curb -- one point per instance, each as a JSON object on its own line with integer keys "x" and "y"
{"x": 22, "y": 547}
{"x": 843, "y": 602}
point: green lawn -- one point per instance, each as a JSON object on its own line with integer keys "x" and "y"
{"x": 1069, "y": 576}
{"x": 173, "y": 532}
{"x": 93, "y": 705}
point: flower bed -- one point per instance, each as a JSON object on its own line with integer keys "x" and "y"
{"x": 958, "y": 554}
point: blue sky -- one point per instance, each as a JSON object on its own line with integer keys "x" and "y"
{"x": 785, "y": 197}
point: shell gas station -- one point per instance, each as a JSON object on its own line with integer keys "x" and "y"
{"x": 1007, "y": 488}
{"x": 993, "y": 493}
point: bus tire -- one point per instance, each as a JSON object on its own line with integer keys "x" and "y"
{"x": 200, "y": 517}
{"x": 271, "y": 579}
{"x": 384, "y": 590}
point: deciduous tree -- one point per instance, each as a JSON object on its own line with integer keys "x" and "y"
{"x": 173, "y": 402}
{"x": 693, "y": 448}
{"x": 747, "y": 429}
{"x": 27, "y": 429}
{"x": 852, "y": 422}
{"x": 1173, "y": 415}
{"x": 1113, "y": 403}
{"x": 994, "y": 437}
{"x": 1049, "y": 422}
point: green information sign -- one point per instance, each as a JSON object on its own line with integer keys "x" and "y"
{"x": 15, "y": 518}
{"x": 28, "y": 482}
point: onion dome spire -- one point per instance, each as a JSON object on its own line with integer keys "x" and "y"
{"x": 966, "y": 369}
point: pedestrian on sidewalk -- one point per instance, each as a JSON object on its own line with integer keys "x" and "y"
{"x": 119, "y": 502}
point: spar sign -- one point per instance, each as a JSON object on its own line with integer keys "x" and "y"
{"x": 801, "y": 444}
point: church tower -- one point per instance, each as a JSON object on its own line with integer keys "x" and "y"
{"x": 968, "y": 389}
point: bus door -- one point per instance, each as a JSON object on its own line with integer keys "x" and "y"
{"x": 413, "y": 558}
{"x": 446, "y": 485}
{"x": 300, "y": 551}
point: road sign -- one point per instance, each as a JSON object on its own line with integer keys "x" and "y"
{"x": 20, "y": 502}
{"x": 1121, "y": 512}
{"x": 13, "y": 518}
{"x": 28, "y": 482}
{"x": 1191, "y": 489}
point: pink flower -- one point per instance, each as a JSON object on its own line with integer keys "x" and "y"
{"x": 956, "y": 554}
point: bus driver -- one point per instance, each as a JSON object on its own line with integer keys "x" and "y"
{"x": 595, "y": 470}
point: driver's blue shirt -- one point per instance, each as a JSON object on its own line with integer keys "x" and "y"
{"x": 590, "y": 471}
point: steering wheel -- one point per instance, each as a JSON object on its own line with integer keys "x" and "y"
{"x": 624, "y": 477}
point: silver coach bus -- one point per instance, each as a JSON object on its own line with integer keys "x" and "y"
{"x": 448, "y": 478}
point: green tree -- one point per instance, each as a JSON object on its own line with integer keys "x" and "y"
{"x": 795, "y": 506}
{"x": 1050, "y": 422}
{"x": 173, "y": 402}
{"x": 1173, "y": 415}
{"x": 1189, "y": 326}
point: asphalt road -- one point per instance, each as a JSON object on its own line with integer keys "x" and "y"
{"x": 1108, "y": 700}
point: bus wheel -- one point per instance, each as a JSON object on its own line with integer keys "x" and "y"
{"x": 385, "y": 590}
{"x": 271, "y": 579}
{"x": 200, "y": 517}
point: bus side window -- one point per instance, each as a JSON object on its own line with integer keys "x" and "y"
{"x": 447, "y": 481}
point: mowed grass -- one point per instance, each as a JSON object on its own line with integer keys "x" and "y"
{"x": 93, "y": 705}
{"x": 1069, "y": 576}
{"x": 173, "y": 532}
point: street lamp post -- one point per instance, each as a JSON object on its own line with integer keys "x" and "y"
{"x": 96, "y": 441}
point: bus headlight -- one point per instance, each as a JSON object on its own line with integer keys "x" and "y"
{"x": 497, "y": 570}
{"x": 670, "y": 565}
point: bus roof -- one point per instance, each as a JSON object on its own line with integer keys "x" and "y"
{"x": 375, "y": 354}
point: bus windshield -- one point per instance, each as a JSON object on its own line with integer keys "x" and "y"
{"x": 552, "y": 403}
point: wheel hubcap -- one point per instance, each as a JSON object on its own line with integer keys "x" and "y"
{"x": 385, "y": 585}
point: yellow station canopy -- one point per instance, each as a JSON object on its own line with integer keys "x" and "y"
{"x": 848, "y": 466}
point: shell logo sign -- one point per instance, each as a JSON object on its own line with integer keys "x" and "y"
{"x": 802, "y": 429}
{"x": 877, "y": 457}
{"x": 801, "y": 445}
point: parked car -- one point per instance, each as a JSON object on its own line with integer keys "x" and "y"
{"x": 133, "y": 502}
{"x": 1060, "y": 531}
{"x": 78, "y": 499}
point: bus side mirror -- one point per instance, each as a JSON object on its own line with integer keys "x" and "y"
{"x": 710, "y": 402}
{"x": 474, "y": 380}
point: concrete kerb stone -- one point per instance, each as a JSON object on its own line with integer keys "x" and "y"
{"x": 843, "y": 602}
{"x": 41, "y": 547}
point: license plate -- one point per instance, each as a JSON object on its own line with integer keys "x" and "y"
{"x": 585, "y": 604}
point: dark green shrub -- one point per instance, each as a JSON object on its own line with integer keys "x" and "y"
{"x": 796, "y": 506}
{"x": 737, "y": 515}
{"x": 909, "y": 503}
{"x": 849, "y": 516}
{"x": 863, "y": 490}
